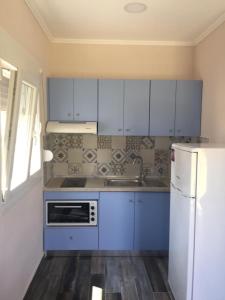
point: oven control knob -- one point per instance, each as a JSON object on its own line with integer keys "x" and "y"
{"x": 92, "y": 219}
{"x": 92, "y": 213}
{"x": 92, "y": 207}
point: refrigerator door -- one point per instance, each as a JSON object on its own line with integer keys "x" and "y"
{"x": 209, "y": 267}
{"x": 183, "y": 172}
{"x": 181, "y": 247}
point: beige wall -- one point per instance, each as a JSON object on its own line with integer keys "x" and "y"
{"x": 17, "y": 20}
{"x": 111, "y": 61}
{"x": 21, "y": 218}
{"x": 209, "y": 62}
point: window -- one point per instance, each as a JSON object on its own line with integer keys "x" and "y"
{"x": 23, "y": 135}
{"x": 7, "y": 91}
{"x": 35, "y": 164}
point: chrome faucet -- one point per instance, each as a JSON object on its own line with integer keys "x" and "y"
{"x": 135, "y": 158}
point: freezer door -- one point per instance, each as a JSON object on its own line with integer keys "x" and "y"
{"x": 184, "y": 172}
{"x": 181, "y": 246}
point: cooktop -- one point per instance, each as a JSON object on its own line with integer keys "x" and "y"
{"x": 74, "y": 182}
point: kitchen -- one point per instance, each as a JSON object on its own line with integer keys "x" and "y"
{"x": 203, "y": 60}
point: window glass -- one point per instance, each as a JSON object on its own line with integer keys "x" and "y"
{"x": 23, "y": 135}
{"x": 35, "y": 163}
{"x": 7, "y": 91}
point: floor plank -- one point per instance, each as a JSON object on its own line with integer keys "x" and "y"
{"x": 113, "y": 296}
{"x": 154, "y": 274}
{"x": 161, "y": 296}
{"x": 120, "y": 277}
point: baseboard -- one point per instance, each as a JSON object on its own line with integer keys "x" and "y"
{"x": 106, "y": 253}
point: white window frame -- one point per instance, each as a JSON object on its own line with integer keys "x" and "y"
{"x": 37, "y": 112}
{"x": 28, "y": 70}
{"x": 11, "y": 98}
{"x": 30, "y": 133}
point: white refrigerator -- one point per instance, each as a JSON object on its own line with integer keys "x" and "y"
{"x": 197, "y": 222}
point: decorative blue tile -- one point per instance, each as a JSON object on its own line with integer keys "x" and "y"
{"x": 104, "y": 142}
{"x": 133, "y": 143}
{"x": 118, "y": 156}
{"x": 75, "y": 169}
{"x": 90, "y": 155}
{"x": 147, "y": 142}
{"x": 118, "y": 169}
{"x": 104, "y": 169}
{"x": 60, "y": 155}
{"x": 74, "y": 141}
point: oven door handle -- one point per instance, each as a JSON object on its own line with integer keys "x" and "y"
{"x": 65, "y": 206}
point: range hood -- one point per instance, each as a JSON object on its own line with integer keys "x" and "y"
{"x": 75, "y": 127}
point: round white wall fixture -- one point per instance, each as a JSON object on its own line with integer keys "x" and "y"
{"x": 48, "y": 155}
{"x": 135, "y": 7}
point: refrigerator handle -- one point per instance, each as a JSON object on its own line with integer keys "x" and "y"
{"x": 179, "y": 190}
{"x": 176, "y": 187}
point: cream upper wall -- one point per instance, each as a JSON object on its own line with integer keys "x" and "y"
{"x": 17, "y": 19}
{"x": 209, "y": 63}
{"x": 23, "y": 44}
{"x": 112, "y": 61}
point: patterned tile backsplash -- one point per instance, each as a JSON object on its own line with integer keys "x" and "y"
{"x": 90, "y": 155}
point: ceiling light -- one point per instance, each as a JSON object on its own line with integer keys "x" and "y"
{"x": 135, "y": 7}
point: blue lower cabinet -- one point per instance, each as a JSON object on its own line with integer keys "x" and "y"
{"x": 116, "y": 221}
{"x": 63, "y": 238}
{"x": 151, "y": 221}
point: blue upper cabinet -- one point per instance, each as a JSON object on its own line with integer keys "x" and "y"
{"x": 188, "y": 108}
{"x": 60, "y": 97}
{"x": 136, "y": 107}
{"x": 116, "y": 221}
{"x": 72, "y": 99}
{"x": 110, "y": 112}
{"x": 85, "y": 99}
{"x": 151, "y": 221}
{"x": 162, "y": 107}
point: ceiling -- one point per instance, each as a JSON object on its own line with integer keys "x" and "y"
{"x": 169, "y": 22}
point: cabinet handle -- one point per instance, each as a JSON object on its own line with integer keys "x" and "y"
{"x": 120, "y": 129}
{"x": 127, "y": 129}
{"x": 77, "y": 114}
{"x": 171, "y": 130}
{"x": 69, "y": 114}
{"x": 178, "y": 130}
{"x": 70, "y": 206}
{"x": 131, "y": 201}
{"x": 71, "y": 237}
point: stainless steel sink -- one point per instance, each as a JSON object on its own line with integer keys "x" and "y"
{"x": 154, "y": 182}
{"x": 123, "y": 182}
{"x": 120, "y": 182}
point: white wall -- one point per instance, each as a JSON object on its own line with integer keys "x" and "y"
{"x": 209, "y": 63}
{"x": 20, "y": 241}
{"x": 21, "y": 221}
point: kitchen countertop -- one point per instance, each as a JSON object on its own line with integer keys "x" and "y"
{"x": 96, "y": 184}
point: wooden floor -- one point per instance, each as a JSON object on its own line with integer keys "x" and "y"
{"x": 120, "y": 277}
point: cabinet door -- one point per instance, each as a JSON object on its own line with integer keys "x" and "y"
{"x": 110, "y": 110}
{"x": 71, "y": 238}
{"x": 60, "y": 99}
{"x": 162, "y": 107}
{"x": 85, "y": 99}
{"x": 116, "y": 221}
{"x": 136, "y": 107}
{"x": 188, "y": 108}
{"x": 151, "y": 221}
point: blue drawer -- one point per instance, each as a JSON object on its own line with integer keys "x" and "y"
{"x": 60, "y": 238}
{"x": 71, "y": 195}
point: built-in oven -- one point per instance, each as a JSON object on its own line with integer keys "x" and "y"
{"x": 72, "y": 213}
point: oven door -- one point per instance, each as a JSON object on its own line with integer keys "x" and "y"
{"x": 71, "y": 213}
